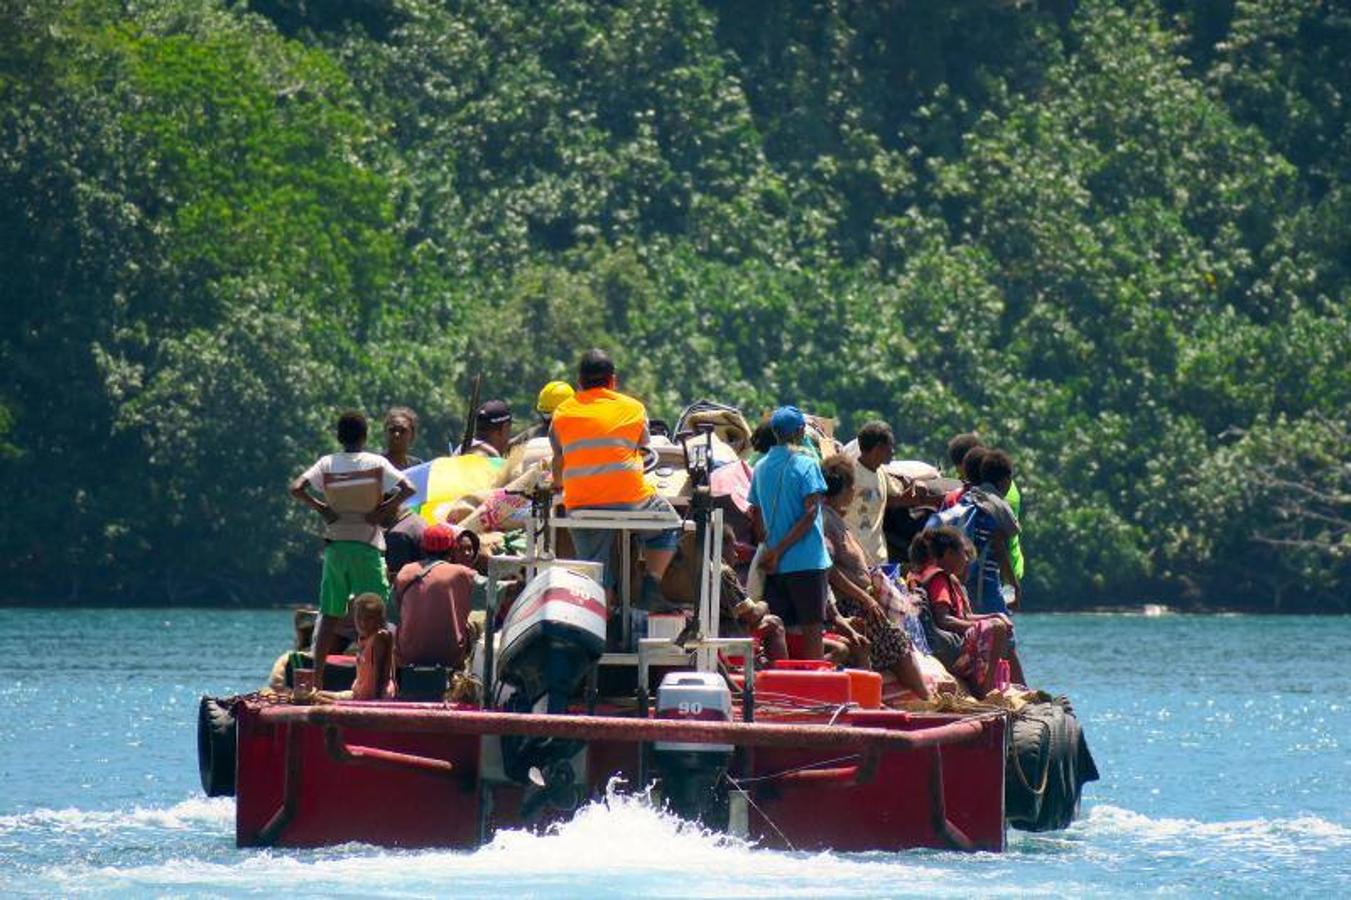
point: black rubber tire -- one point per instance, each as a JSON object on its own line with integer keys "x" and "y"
{"x": 1028, "y": 766}
{"x": 1049, "y": 763}
{"x": 216, "y": 747}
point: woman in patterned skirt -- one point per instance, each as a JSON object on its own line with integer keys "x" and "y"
{"x": 853, "y": 586}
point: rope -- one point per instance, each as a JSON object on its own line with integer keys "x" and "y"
{"x": 265, "y": 697}
{"x": 793, "y": 701}
{"x": 840, "y": 711}
{"x": 819, "y": 764}
{"x": 1018, "y": 768}
{"x": 751, "y": 800}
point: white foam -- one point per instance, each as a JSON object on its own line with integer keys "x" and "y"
{"x": 1297, "y": 835}
{"x": 189, "y": 814}
{"x": 620, "y": 845}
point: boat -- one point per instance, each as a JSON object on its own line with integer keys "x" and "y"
{"x": 801, "y": 757}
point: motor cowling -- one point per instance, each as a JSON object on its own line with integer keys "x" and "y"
{"x": 692, "y": 779}
{"x": 552, "y": 636}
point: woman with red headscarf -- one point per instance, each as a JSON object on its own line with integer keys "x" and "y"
{"x": 433, "y": 599}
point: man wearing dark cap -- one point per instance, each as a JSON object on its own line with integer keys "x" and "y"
{"x": 492, "y": 430}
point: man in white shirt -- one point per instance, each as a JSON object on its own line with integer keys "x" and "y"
{"x": 872, "y": 495}
{"x": 355, "y": 491}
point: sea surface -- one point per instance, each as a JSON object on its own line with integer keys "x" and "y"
{"x": 1224, "y": 744}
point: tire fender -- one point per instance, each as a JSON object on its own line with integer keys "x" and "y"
{"x": 216, "y": 746}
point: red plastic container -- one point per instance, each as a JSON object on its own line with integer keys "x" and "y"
{"x": 808, "y": 686}
{"x": 804, "y": 665}
{"x": 865, "y": 688}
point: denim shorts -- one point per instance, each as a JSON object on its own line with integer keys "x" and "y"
{"x": 597, "y": 544}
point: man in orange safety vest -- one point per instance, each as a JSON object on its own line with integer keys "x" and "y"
{"x": 597, "y": 436}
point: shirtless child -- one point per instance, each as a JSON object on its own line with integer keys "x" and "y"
{"x": 375, "y": 659}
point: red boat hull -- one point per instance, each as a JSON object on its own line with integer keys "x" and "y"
{"x": 389, "y": 776}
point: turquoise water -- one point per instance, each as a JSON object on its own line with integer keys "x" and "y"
{"x": 1226, "y": 769}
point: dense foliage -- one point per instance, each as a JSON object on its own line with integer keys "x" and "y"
{"x": 1114, "y": 238}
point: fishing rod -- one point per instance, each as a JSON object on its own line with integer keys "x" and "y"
{"x": 469, "y": 419}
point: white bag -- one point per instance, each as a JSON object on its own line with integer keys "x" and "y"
{"x": 755, "y": 578}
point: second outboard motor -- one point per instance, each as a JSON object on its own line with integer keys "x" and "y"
{"x": 552, "y": 636}
{"x": 691, "y": 773}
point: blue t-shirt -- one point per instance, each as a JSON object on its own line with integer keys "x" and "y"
{"x": 781, "y": 483}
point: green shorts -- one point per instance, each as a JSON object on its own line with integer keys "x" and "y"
{"x": 350, "y": 568}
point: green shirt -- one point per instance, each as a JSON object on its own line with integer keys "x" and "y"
{"x": 1015, "y": 500}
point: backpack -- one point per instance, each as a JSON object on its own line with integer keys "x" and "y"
{"x": 945, "y": 646}
{"x": 961, "y": 515}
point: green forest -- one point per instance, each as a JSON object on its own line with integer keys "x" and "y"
{"x": 1114, "y": 238}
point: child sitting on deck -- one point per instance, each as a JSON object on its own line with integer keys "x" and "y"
{"x": 375, "y": 659}
{"x": 969, "y": 645}
{"x": 765, "y": 629}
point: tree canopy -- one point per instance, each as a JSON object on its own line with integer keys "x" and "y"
{"x": 1113, "y": 238}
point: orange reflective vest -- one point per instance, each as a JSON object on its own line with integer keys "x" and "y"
{"x": 599, "y": 431}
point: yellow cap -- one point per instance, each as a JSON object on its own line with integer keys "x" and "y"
{"x": 551, "y": 395}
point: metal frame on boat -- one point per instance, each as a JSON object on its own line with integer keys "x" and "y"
{"x": 805, "y": 771}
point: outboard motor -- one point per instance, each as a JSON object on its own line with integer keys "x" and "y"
{"x": 552, "y": 636}
{"x": 692, "y": 774}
